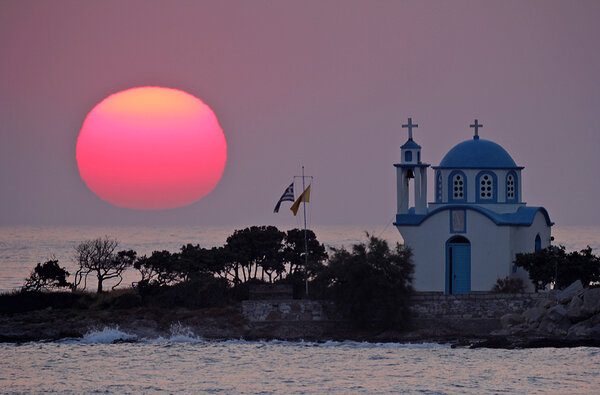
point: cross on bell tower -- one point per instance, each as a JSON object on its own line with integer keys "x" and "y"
{"x": 410, "y": 127}
{"x": 476, "y": 126}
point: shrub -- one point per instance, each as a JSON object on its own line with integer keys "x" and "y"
{"x": 509, "y": 285}
{"x": 47, "y": 275}
{"x": 370, "y": 285}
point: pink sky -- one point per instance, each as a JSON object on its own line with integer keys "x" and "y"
{"x": 325, "y": 84}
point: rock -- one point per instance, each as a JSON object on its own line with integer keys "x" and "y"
{"x": 511, "y": 319}
{"x": 534, "y": 314}
{"x": 591, "y": 301}
{"x": 546, "y": 303}
{"x": 574, "y": 309}
{"x": 547, "y": 326}
{"x": 580, "y": 330}
{"x": 565, "y": 295}
{"x": 557, "y": 313}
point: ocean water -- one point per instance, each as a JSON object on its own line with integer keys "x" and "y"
{"x": 21, "y": 247}
{"x": 185, "y": 364}
{"x": 108, "y": 360}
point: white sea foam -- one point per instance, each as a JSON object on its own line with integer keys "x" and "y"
{"x": 108, "y": 335}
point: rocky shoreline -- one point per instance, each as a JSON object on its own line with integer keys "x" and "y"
{"x": 570, "y": 318}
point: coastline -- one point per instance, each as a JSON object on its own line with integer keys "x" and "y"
{"x": 228, "y": 323}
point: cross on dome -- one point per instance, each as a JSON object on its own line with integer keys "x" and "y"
{"x": 410, "y": 126}
{"x": 476, "y": 126}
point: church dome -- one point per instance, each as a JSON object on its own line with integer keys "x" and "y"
{"x": 478, "y": 154}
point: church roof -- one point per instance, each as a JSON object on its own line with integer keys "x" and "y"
{"x": 410, "y": 144}
{"x": 477, "y": 154}
{"x": 524, "y": 216}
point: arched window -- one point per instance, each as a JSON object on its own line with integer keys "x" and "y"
{"x": 512, "y": 184}
{"x": 457, "y": 188}
{"x": 408, "y": 156}
{"x": 538, "y": 242}
{"x": 438, "y": 187}
{"x": 486, "y": 187}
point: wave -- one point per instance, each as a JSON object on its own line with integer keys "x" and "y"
{"x": 183, "y": 334}
{"x": 113, "y": 334}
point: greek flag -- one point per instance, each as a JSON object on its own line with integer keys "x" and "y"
{"x": 288, "y": 196}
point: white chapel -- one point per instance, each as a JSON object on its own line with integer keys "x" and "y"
{"x": 468, "y": 237}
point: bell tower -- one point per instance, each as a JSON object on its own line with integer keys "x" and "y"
{"x": 411, "y": 168}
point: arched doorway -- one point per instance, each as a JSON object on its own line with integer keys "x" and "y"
{"x": 458, "y": 266}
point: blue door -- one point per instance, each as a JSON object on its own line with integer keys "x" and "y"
{"x": 458, "y": 266}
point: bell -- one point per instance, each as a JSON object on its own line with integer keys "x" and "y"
{"x": 410, "y": 174}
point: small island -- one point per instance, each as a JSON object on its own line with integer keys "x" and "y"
{"x": 255, "y": 287}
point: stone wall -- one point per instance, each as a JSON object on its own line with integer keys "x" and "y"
{"x": 289, "y": 310}
{"x": 434, "y": 316}
{"x": 483, "y": 305}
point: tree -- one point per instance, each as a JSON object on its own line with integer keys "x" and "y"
{"x": 541, "y": 265}
{"x": 98, "y": 257}
{"x": 294, "y": 252}
{"x": 371, "y": 284}
{"x": 47, "y": 275}
{"x": 552, "y": 265}
{"x": 252, "y": 248}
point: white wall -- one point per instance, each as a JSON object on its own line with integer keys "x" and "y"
{"x": 493, "y": 248}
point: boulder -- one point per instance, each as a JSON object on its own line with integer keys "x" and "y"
{"x": 534, "y": 314}
{"x": 511, "y": 319}
{"x": 557, "y": 313}
{"x": 565, "y": 295}
{"x": 580, "y": 330}
{"x": 574, "y": 309}
{"x": 591, "y": 301}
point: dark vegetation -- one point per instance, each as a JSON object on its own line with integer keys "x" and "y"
{"x": 553, "y": 265}
{"x": 370, "y": 283}
{"x": 509, "y": 285}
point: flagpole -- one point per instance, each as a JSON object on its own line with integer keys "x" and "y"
{"x": 305, "y": 238}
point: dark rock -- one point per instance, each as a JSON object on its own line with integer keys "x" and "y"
{"x": 557, "y": 313}
{"x": 511, "y": 319}
{"x": 534, "y": 314}
{"x": 565, "y": 295}
{"x": 591, "y": 301}
{"x": 574, "y": 309}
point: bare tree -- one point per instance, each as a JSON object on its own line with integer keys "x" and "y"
{"x": 98, "y": 257}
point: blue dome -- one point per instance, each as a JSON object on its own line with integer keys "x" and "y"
{"x": 478, "y": 154}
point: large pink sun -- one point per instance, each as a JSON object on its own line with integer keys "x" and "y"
{"x": 151, "y": 148}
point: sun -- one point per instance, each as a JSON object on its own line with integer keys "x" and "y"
{"x": 151, "y": 148}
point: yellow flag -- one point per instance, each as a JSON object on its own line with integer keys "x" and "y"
{"x": 305, "y": 197}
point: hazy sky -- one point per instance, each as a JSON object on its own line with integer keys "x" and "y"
{"x": 326, "y": 84}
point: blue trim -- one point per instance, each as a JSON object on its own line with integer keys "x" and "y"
{"x": 476, "y": 167}
{"x": 451, "y": 187}
{"x": 494, "y": 187}
{"x": 410, "y": 144}
{"x": 411, "y": 165}
{"x": 408, "y": 156}
{"x": 524, "y": 216}
{"x": 439, "y": 194}
{"x": 515, "y": 199}
{"x": 450, "y": 215}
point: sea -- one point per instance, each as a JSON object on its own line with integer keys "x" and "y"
{"x": 109, "y": 360}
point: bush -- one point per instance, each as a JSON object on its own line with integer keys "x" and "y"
{"x": 21, "y": 302}
{"x": 554, "y": 265}
{"x": 370, "y": 285}
{"x": 47, "y": 275}
{"x": 509, "y": 286}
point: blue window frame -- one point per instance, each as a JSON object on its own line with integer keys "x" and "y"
{"x": 438, "y": 187}
{"x": 487, "y": 187}
{"x": 457, "y": 187}
{"x": 408, "y": 156}
{"x": 512, "y": 187}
